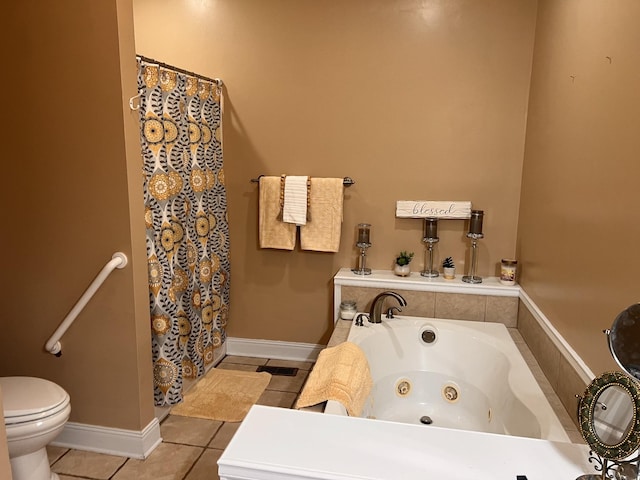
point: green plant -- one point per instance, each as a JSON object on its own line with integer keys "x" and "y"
{"x": 448, "y": 263}
{"x": 404, "y": 258}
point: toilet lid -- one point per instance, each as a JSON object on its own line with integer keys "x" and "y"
{"x": 27, "y": 398}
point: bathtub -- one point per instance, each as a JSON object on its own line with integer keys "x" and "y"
{"x": 459, "y": 374}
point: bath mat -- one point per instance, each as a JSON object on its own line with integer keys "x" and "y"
{"x": 225, "y": 395}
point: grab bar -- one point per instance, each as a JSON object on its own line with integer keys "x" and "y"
{"x": 118, "y": 260}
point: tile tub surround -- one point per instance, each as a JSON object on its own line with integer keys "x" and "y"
{"x": 489, "y": 301}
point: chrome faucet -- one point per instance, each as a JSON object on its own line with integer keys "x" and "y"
{"x": 375, "y": 314}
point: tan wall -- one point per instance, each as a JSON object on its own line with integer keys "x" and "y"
{"x": 579, "y": 225}
{"x": 414, "y": 100}
{"x": 5, "y": 467}
{"x": 73, "y": 196}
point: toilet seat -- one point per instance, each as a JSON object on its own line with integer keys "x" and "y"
{"x": 27, "y": 399}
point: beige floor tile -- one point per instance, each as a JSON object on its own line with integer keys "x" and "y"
{"x": 188, "y": 430}
{"x": 243, "y": 360}
{"x": 88, "y": 464}
{"x": 273, "y": 398}
{"x": 283, "y": 383}
{"x": 54, "y": 453}
{"x": 291, "y": 364}
{"x": 206, "y": 468}
{"x": 224, "y": 435}
{"x": 167, "y": 462}
{"x": 66, "y": 477}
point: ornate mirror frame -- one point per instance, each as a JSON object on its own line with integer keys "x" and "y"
{"x": 586, "y": 416}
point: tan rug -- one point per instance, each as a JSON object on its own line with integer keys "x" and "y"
{"x": 225, "y": 395}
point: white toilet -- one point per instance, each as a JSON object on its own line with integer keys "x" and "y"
{"x": 35, "y": 411}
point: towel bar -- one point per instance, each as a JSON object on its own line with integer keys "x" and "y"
{"x": 347, "y": 181}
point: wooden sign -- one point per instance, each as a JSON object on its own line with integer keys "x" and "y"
{"x": 433, "y": 209}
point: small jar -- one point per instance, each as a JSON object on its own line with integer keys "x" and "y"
{"x": 508, "y": 269}
{"x": 347, "y": 309}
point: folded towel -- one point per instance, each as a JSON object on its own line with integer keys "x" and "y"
{"x": 294, "y": 208}
{"x": 322, "y": 232}
{"x": 341, "y": 373}
{"x": 273, "y": 233}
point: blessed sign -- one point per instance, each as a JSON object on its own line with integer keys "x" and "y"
{"x": 434, "y": 209}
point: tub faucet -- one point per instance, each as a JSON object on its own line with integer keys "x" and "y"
{"x": 375, "y": 314}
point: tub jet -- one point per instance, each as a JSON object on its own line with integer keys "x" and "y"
{"x": 426, "y": 420}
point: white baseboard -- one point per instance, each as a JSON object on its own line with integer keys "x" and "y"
{"x": 303, "y": 352}
{"x": 112, "y": 441}
{"x": 558, "y": 340}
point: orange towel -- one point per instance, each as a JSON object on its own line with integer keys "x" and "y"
{"x": 323, "y": 229}
{"x": 274, "y": 233}
{"x": 341, "y": 373}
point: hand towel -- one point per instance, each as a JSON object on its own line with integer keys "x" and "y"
{"x": 322, "y": 232}
{"x": 341, "y": 373}
{"x": 273, "y": 233}
{"x": 294, "y": 208}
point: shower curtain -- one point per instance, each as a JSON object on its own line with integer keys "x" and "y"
{"x": 186, "y": 223}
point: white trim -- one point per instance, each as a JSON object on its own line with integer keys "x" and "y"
{"x": 558, "y": 340}
{"x": 248, "y": 347}
{"x": 415, "y": 281}
{"x": 111, "y": 441}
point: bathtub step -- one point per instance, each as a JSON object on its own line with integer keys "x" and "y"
{"x": 285, "y": 371}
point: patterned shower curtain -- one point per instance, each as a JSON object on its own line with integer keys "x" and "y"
{"x": 186, "y": 221}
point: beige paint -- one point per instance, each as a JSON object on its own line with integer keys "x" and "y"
{"x": 5, "y": 466}
{"x": 414, "y": 100}
{"x": 72, "y": 195}
{"x": 579, "y": 222}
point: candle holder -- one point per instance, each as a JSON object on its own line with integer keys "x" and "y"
{"x": 475, "y": 234}
{"x": 363, "y": 243}
{"x": 429, "y": 238}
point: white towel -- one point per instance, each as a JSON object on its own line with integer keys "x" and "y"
{"x": 294, "y": 209}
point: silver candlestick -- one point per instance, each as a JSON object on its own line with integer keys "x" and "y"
{"x": 363, "y": 243}
{"x": 429, "y": 238}
{"x": 475, "y": 234}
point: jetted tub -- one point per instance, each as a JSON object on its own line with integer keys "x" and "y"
{"x": 454, "y": 374}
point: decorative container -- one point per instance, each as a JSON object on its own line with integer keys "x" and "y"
{"x": 508, "y": 270}
{"x": 348, "y": 309}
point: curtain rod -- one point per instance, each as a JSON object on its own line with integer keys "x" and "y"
{"x": 217, "y": 81}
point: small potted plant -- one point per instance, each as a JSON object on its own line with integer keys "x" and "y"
{"x": 449, "y": 268}
{"x": 401, "y": 268}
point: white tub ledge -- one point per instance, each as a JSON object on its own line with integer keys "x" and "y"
{"x": 276, "y": 443}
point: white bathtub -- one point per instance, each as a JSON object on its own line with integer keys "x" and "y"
{"x": 472, "y": 377}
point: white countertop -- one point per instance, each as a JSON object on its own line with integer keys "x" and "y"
{"x": 415, "y": 281}
{"x": 276, "y": 443}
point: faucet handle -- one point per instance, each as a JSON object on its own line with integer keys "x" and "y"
{"x": 390, "y": 311}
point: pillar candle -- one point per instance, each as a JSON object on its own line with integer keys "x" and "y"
{"x": 475, "y": 224}
{"x": 430, "y": 228}
{"x": 363, "y": 233}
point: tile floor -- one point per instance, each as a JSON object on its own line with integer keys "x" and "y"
{"x": 190, "y": 447}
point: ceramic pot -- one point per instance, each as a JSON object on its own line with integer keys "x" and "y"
{"x": 402, "y": 270}
{"x": 449, "y": 273}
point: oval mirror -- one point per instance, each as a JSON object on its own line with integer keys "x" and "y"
{"x": 609, "y": 415}
{"x": 624, "y": 340}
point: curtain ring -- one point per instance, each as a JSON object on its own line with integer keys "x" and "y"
{"x": 131, "y": 106}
